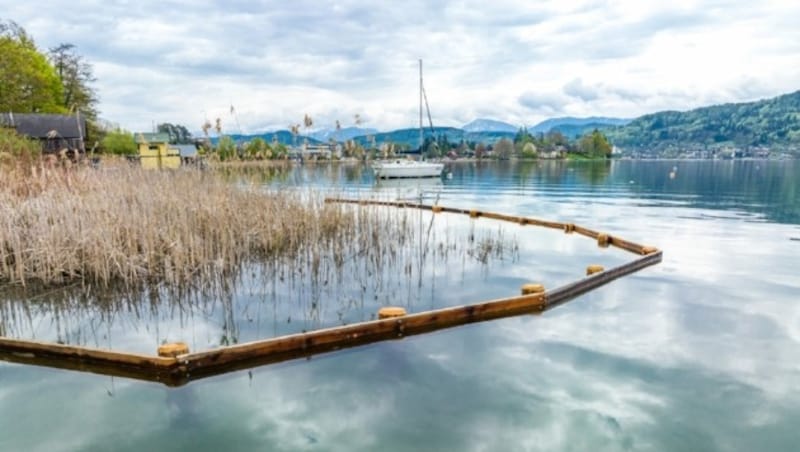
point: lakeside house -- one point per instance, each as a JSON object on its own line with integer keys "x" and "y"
{"x": 57, "y": 133}
{"x": 155, "y": 151}
{"x": 315, "y": 151}
{"x": 188, "y": 153}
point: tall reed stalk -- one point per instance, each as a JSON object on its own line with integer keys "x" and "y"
{"x": 126, "y": 225}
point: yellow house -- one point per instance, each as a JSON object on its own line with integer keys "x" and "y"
{"x": 155, "y": 151}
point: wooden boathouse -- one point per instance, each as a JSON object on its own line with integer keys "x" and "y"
{"x": 57, "y": 133}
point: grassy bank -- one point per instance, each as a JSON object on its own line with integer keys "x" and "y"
{"x": 59, "y": 225}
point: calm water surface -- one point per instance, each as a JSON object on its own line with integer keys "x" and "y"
{"x": 699, "y": 353}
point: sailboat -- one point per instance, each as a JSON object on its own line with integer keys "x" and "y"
{"x": 407, "y": 168}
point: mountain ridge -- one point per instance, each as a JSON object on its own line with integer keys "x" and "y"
{"x": 489, "y": 125}
{"x": 343, "y": 134}
{"x": 771, "y": 122}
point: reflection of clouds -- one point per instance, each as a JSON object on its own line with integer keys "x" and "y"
{"x": 720, "y": 302}
{"x": 39, "y": 413}
{"x": 280, "y": 418}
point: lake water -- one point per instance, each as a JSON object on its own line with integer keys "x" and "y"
{"x": 698, "y": 353}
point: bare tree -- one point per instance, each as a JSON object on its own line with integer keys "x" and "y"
{"x": 76, "y": 78}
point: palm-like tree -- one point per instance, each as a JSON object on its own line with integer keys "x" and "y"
{"x": 307, "y": 122}
{"x": 295, "y": 129}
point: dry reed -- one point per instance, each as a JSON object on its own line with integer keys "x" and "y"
{"x": 127, "y": 225}
{"x": 100, "y": 238}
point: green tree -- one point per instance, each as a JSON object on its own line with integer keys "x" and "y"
{"x": 14, "y": 147}
{"x": 28, "y": 83}
{"x": 528, "y": 151}
{"x": 432, "y": 150}
{"x": 226, "y": 148}
{"x": 462, "y": 149}
{"x": 521, "y": 140}
{"x": 119, "y": 142}
{"x": 595, "y": 144}
{"x": 279, "y": 151}
{"x": 258, "y": 149}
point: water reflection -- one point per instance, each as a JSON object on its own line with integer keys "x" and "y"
{"x": 321, "y": 286}
{"x": 698, "y": 353}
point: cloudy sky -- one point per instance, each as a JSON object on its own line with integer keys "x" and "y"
{"x": 519, "y": 61}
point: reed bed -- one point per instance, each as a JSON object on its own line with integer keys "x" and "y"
{"x": 88, "y": 251}
{"x": 126, "y": 225}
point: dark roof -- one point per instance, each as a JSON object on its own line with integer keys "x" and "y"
{"x": 41, "y": 125}
{"x": 186, "y": 150}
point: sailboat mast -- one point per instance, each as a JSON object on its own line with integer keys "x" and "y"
{"x": 421, "y": 140}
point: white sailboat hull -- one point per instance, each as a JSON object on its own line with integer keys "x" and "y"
{"x": 406, "y": 169}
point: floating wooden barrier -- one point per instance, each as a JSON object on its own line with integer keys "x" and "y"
{"x": 176, "y": 366}
{"x": 605, "y": 239}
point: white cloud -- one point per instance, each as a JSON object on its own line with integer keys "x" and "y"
{"x": 576, "y": 88}
{"x": 514, "y": 60}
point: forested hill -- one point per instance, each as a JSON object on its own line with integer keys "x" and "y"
{"x": 772, "y": 123}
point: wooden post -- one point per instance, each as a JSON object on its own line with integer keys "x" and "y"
{"x": 528, "y": 289}
{"x": 388, "y": 312}
{"x": 173, "y": 349}
{"x": 594, "y": 268}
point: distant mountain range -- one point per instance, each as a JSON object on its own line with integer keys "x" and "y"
{"x": 487, "y": 131}
{"x": 281, "y": 136}
{"x": 410, "y": 137}
{"x": 568, "y": 125}
{"x": 343, "y": 134}
{"x": 489, "y": 125}
{"x": 572, "y": 127}
{"x": 771, "y": 123}
{"x": 557, "y": 123}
